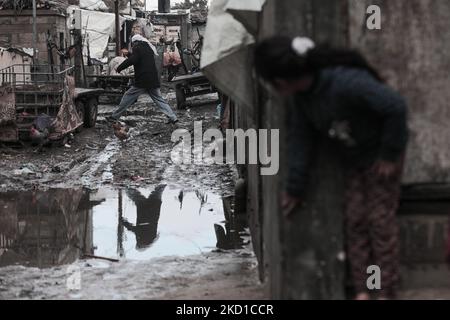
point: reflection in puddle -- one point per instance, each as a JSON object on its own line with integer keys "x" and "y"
{"x": 61, "y": 225}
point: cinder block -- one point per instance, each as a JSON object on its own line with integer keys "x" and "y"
{"x": 5, "y": 40}
{"x": 5, "y": 20}
{"x": 22, "y": 20}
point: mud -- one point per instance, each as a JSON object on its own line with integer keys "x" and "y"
{"x": 96, "y": 157}
{"x": 224, "y": 275}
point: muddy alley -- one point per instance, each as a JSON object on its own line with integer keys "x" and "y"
{"x": 250, "y": 151}
{"x": 100, "y": 218}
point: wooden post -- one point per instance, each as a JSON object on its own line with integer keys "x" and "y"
{"x": 116, "y": 12}
{"x": 304, "y": 254}
{"x": 79, "y": 70}
{"x": 34, "y": 31}
{"x": 120, "y": 228}
{"x": 163, "y": 6}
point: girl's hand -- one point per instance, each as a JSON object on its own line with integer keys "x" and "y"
{"x": 289, "y": 204}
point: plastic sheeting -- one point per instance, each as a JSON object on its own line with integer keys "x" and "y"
{"x": 246, "y": 12}
{"x": 99, "y": 26}
{"x": 93, "y": 5}
{"x": 227, "y": 55}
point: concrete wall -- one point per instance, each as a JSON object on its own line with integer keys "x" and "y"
{"x": 412, "y": 51}
{"x": 17, "y": 30}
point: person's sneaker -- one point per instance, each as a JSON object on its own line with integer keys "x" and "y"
{"x": 172, "y": 121}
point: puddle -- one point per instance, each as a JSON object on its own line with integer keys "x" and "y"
{"x": 58, "y": 226}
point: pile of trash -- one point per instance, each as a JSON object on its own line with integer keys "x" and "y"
{"x": 19, "y": 5}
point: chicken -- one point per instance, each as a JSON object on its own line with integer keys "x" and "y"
{"x": 38, "y": 138}
{"x": 121, "y": 132}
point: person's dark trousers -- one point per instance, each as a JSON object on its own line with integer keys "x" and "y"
{"x": 133, "y": 94}
{"x": 372, "y": 233}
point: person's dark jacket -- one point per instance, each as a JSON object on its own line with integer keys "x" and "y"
{"x": 365, "y": 118}
{"x": 145, "y": 71}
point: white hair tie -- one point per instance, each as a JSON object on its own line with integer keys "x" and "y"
{"x": 302, "y": 45}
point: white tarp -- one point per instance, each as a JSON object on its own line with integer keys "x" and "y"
{"x": 99, "y": 26}
{"x": 246, "y": 12}
{"x": 93, "y": 5}
{"x": 124, "y": 5}
{"x": 226, "y": 55}
{"x": 223, "y": 35}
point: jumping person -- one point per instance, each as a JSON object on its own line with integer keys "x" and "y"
{"x": 336, "y": 94}
{"x": 146, "y": 79}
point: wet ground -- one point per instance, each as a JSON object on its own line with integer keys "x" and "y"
{"x": 132, "y": 223}
{"x": 95, "y": 157}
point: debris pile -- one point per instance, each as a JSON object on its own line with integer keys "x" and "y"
{"x": 19, "y": 5}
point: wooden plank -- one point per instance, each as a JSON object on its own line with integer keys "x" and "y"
{"x": 424, "y": 207}
{"x": 84, "y": 92}
{"x": 426, "y": 192}
{"x": 196, "y": 75}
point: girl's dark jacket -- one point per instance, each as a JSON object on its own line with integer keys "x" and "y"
{"x": 365, "y": 118}
{"x": 143, "y": 60}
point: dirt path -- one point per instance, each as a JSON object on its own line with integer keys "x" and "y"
{"x": 95, "y": 157}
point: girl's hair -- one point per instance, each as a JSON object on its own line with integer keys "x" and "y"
{"x": 275, "y": 58}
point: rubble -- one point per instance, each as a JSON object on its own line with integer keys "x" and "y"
{"x": 23, "y": 172}
{"x": 19, "y": 5}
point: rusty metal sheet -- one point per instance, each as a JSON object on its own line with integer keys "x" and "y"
{"x": 8, "y": 128}
{"x": 7, "y": 106}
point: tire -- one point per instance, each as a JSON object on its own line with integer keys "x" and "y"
{"x": 117, "y": 99}
{"x": 90, "y": 113}
{"x": 181, "y": 97}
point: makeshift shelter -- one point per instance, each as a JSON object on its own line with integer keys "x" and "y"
{"x": 226, "y": 56}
